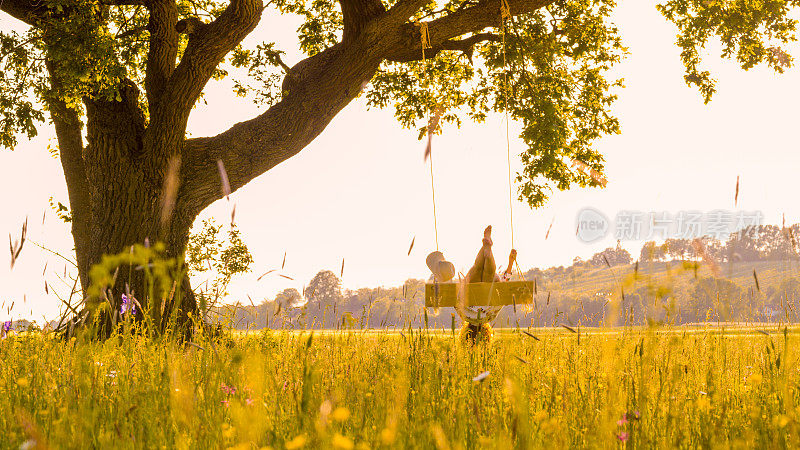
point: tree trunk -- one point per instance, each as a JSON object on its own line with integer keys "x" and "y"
{"x": 123, "y": 206}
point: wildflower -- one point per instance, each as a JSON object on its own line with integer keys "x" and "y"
{"x": 325, "y": 409}
{"x": 703, "y": 404}
{"x": 249, "y": 401}
{"x": 540, "y": 415}
{"x": 388, "y": 435}
{"x": 756, "y": 378}
{"x": 297, "y": 442}
{"x": 623, "y": 436}
{"x": 630, "y": 416}
{"x": 781, "y": 420}
{"x": 228, "y": 431}
{"x": 6, "y": 327}
{"x": 342, "y": 442}
{"x": 22, "y": 382}
{"x": 128, "y": 305}
{"x": 341, "y": 414}
{"x": 551, "y": 425}
{"x": 226, "y": 403}
{"x": 230, "y": 390}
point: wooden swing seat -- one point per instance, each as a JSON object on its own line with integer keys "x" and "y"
{"x": 479, "y": 294}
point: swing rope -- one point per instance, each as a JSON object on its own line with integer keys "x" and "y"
{"x": 505, "y": 13}
{"x": 425, "y": 42}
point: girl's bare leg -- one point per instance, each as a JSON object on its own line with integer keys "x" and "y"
{"x": 484, "y": 267}
{"x": 512, "y": 258}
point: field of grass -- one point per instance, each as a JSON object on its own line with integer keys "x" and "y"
{"x": 415, "y": 389}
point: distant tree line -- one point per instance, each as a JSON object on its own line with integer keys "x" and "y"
{"x": 754, "y": 243}
{"x": 589, "y": 293}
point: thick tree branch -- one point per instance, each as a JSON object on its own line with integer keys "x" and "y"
{"x": 403, "y": 10}
{"x": 28, "y": 11}
{"x": 357, "y": 14}
{"x": 321, "y": 86}
{"x": 163, "y": 47}
{"x": 465, "y": 45}
{"x": 317, "y": 89}
{"x": 207, "y": 47}
{"x": 473, "y": 19}
{"x": 189, "y": 25}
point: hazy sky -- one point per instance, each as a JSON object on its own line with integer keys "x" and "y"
{"x": 361, "y": 191}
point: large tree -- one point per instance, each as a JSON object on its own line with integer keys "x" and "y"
{"x": 119, "y": 79}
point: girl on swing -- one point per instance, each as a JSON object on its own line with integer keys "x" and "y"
{"x": 484, "y": 269}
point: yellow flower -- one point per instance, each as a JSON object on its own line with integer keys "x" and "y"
{"x": 228, "y": 431}
{"x": 388, "y": 435}
{"x": 703, "y": 403}
{"x": 540, "y": 415}
{"x": 341, "y": 414}
{"x": 297, "y": 442}
{"x": 781, "y": 420}
{"x": 755, "y": 378}
{"x": 342, "y": 442}
{"x": 22, "y": 382}
{"x": 551, "y": 425}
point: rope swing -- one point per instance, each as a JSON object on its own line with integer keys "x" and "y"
{"x": 425, "y": 42}
{"x": 434, "y": 115}
{"x": 505, "y": 13}
{"x": 477, "y": 302}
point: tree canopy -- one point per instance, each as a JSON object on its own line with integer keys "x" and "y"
{"x": 554, "y": 69}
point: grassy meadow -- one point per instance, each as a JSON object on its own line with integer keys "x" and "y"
{"x": 551, "y": 388}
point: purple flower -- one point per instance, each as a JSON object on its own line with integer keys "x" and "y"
{"x": 128, "y": 305}
{"x": 6, "y": 327}
{"x": 622, "y": 436}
